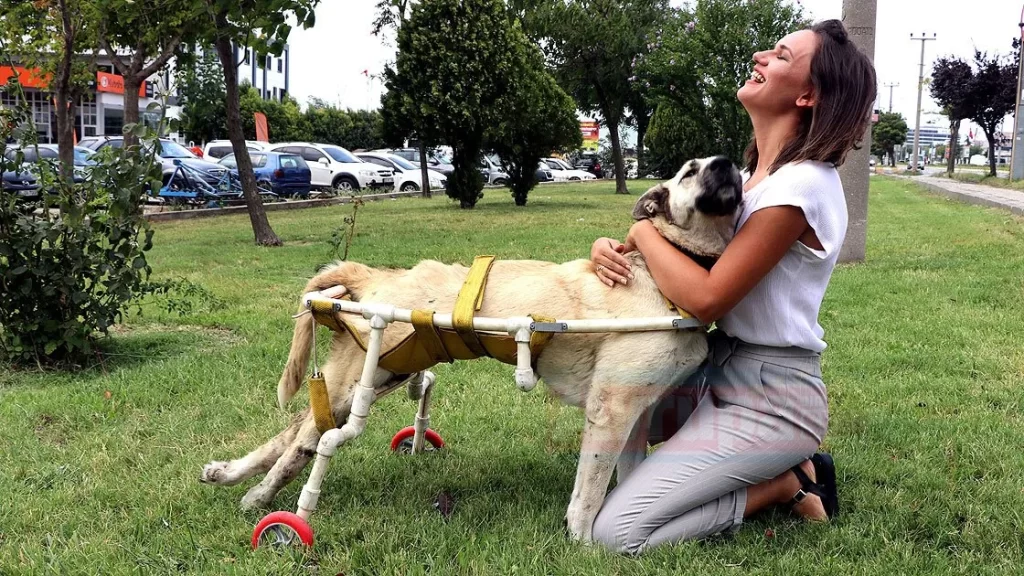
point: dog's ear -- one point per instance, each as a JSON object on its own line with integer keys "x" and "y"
{"x": 652, "y": 203}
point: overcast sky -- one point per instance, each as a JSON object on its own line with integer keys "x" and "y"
{"x": 328, "y": 60}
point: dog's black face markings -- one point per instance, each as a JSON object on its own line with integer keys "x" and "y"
{"x": 722, "y": 188}
{"x": 653, "y": 203}
{"x": 691, "y": 171}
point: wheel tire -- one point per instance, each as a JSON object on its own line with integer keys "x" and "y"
{"x": 402, "y": 441}
{"x": 284, "y": 527}
{"x": 409, "y": 187}
{"x": 574, "y": 179}
{"x": 345, "y": 184}
{"x": 500, "y": 182}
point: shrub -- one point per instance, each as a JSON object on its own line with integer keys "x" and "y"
{"x": 72, "y": 261}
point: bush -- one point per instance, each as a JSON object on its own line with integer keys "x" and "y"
{"x": 72, "y": 261}
{"x": 672, "y": 139}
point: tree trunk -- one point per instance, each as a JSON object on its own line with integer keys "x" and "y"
{"x": 425, "y": 180}
{"x": 991, "y": 137}
{"x": 620, "y": 172}
{"x": 131, "y": 105}
{"x": 641, "y": 131}
{"x": 954, "y": 129}
{"x": 63, "y": 101}
{"x": 257, "y": 215}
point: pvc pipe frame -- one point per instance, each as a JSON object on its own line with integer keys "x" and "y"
{"x": 380, "y": 315}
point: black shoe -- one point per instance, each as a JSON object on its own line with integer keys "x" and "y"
{"x": 825, "y": 487}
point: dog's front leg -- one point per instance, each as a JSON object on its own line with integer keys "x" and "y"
{"x": 635, "y": 450}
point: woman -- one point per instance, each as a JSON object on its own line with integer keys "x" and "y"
{"x": 758, "y": 409}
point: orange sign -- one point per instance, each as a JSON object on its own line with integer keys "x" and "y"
{"x": 261, "y": 127}
{"x": 106, "y": 82}
{"x": 29, "y": 78}
{"x": 590, "y": 130}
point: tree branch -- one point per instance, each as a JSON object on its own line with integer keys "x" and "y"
{"x": 162, "y": 58}
{"x": 119, "y": 65}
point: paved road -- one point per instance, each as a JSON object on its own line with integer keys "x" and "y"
{"x": 1012, "y": 200}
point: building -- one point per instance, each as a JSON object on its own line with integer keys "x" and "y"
{"x": 100, "y": 111}
{"x": 931, "y": 136}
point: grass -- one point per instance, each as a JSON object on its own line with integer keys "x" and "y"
{"x": 925, "y": 370}
{"x": 979, "y": 177}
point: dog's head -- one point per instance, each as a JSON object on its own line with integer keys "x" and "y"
{"x": 701, "y": 198}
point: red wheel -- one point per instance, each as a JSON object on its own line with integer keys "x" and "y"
{"x": 402, "y": 442}
{"x": 282, "y": 529}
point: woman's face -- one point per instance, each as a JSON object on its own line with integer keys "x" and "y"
{"x": 781, "y": 79}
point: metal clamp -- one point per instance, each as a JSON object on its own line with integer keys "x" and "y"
{"x": 549, "y": 327}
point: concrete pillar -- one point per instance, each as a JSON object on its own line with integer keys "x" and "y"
{"x": 859, "y": 19}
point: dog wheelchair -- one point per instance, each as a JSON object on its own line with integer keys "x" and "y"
{"x": 436, "y": 338}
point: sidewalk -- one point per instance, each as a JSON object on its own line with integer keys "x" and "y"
{"x": 1011, "y": 200}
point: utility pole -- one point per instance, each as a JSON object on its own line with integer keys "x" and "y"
{"x": 920, "y": 88}
{"x": 1017, "y": 151}
{"x": 890, "y": 86}
{"x": 859, "y": 18}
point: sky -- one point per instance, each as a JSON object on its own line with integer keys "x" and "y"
{"x": 328, "y": 60}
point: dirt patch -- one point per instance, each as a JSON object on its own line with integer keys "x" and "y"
{"x": 220, "y": 334}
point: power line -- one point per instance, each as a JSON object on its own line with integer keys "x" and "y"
{"x": 890, "y": 86}
{"x": 920, "y": 87}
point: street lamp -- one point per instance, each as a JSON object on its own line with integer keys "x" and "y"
{"x": 923, "y": 38}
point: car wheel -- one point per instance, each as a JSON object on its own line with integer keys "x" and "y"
{"x": 574, "y": 179}
{"x": 409, "y": 187}
{"x": 345, "y": 184}
{"x": 500, "y": 182}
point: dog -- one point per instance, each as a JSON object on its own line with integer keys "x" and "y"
{"x": 613, "y": 377}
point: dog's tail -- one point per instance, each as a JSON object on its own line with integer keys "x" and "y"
{"x": 356, "y": 278}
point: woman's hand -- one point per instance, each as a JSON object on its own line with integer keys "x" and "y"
{"x": 609, "y": 263}
{"x": 640, "y": 227}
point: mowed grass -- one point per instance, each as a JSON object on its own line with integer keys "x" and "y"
{"x": 99, "y": 468}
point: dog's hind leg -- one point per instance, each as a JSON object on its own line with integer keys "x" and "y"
{"x": 256, "y": 462}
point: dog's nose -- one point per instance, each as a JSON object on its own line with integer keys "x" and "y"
{"x": 720, "y": 164}
{"x": 723, "y": 188}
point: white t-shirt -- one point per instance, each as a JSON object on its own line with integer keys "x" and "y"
{"x": 782, "y": 309}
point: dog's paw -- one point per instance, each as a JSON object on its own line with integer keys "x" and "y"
{"x": 579, "y": 526}
{"x": 216, "y": 473}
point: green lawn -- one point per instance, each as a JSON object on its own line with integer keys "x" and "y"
{"x": 982, "y": 177}
{"x": 99, "y": 468}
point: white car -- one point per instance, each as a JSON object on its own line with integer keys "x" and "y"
{"x": 332, "y": 166}
{"x": 564, "y": 173}
{"x": 407, "y": 175}
{"x": 217, "y": 149}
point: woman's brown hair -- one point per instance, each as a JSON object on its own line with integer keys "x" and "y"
{"x": 844, "y": 90}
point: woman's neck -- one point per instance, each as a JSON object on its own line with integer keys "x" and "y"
{"x": 771, "y": 135}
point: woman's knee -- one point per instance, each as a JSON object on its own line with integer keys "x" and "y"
{"x": 611, "y": 530}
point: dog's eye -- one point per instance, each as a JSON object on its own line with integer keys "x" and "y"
{"x": 689, "y": 173}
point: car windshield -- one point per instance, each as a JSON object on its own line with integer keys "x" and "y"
{"x": 170, "y": 149}
{"x": 341, "y": 155}
{"x": 401, "y": 162}
{"x": 560, "y": 165}
{"x": 82, "y": 155}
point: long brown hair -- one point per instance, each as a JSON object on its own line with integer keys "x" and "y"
{"x": 844, "y": 89}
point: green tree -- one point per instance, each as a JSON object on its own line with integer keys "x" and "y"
{"x": 889, "y": 132}
{"x": 672, "y": 139}
{"x": 140, "y": 38}
{"x": 704, "y": 55}
{"x": 264, "y": 25}
{"x": 592, "y": 45}
{"x": 202, "y": 97}
{"x": 992, "y": 95}
{"x": 950, "y": 85}
{"x": 452, "y": 69}
{"x": 51, "y": 36}
{"x": 537, "y": 118}
{"x": 285, "y": 120}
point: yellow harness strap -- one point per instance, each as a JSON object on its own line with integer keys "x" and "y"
{"x": 427, "y": 336}
{"x": 676, "y": 309}
{"x": 469, "y": 301}
{"x": 320, "y": 403}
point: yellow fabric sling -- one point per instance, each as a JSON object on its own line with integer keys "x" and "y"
{"x": 469, "y": 301}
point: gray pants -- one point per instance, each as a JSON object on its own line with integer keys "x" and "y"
{"x": 747, "y": 415}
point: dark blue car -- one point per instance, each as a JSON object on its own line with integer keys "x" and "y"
{"x": 285, "y": 174}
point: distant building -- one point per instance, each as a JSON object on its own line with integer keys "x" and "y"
{"x": 268, "y": 74}
{"x": 931, "y": 136}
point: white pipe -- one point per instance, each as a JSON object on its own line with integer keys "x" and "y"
{"x": 510, "y": 325}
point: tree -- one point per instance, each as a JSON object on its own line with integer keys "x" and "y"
{"x": 672, "y": 139}
{"x": 537, "y": 118}
{"x": 285, "y": 120}
{"x": 49, "y": 36}
{"x": 452, "y": 69}
{"x": 889, "y": 132}
{"x": 265, "y": 25}
{"x": 993, "y": 95}
{"x": 592, "y": 45}
{"x": 140, "y": 38}
{"x": 704, "y": 55}
{"x": 202, "y": 97}
{"x": 950, "y": 85}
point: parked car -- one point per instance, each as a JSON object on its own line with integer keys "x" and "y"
{"x": 562, "y": 172}
{"x": 33, "y": 154}
{"x": 334, "y": 167}
{"x": 434, "y": 161}
{"x": 408, "y": 176}
{"x": 590, "y": 164}
{"x": 491, "y": 171}
{"x": 544, "y": 173}
{"x": 284, "y": 174}
{"x": 21, "y": 184}
{"x": 217, "y": 149}
{"x": 169, "y": 153}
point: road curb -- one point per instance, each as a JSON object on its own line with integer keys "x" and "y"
{"x": 272, "y": 206}
{"x": 964, "y": 197}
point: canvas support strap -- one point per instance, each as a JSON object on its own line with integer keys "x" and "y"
{"x": 428, "y": 338}
{"x": 469, "y": 301}
{"x": 320, "y": 403}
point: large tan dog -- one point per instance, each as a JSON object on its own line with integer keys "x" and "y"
{"x": 614, "y": 377}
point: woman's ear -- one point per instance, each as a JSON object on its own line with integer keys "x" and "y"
{"x": 807, "y": 100}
